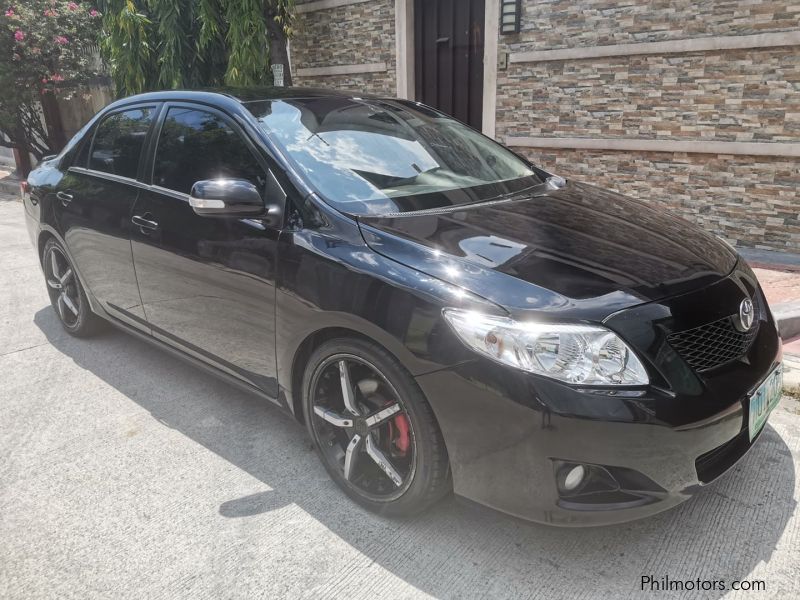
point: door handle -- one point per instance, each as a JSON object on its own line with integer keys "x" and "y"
{"x": 64, "y": 197}
{"x": 145, "y": 225}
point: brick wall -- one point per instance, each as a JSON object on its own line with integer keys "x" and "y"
{"x": 352, "y": 34}
{"x": 749, "y": 95}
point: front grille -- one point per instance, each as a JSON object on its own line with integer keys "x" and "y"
{"x": 715, "y": 343}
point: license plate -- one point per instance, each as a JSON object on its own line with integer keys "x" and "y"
{"x": 764, "y": 399}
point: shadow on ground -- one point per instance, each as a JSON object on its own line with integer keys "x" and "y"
{"x": 454, "y": 549}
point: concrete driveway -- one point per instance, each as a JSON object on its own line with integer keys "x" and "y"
{"x": 126, "y": 473}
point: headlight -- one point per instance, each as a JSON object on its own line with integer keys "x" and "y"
{"x": 579, "y": 354}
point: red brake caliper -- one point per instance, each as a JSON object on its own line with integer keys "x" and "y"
{"x": 399, "y": 434}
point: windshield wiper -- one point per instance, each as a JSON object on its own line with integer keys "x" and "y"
{"x": 554, "y": 182}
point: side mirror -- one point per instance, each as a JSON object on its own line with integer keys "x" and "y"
{"x": 226, "y": 197}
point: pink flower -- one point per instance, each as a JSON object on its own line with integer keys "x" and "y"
{"x": 44, "y": 79}
{"x": 72, "y": 6}
{"x": 61, "y": 40}
{"x": 93, "y": 13}
{"x": 56, "y": 77}
{"x": 10, "y": 12}
{"x": 50, "y": 13}
{"x": 19, "y": 35}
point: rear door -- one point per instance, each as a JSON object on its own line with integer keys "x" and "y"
{"x": 207, "y": 283}
{"x": 93, "y": 207}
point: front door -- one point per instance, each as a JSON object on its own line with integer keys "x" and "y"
{"x": 448, "y": 54}
{"x": 207, "y": 283}
{"x": 93, "y": 210}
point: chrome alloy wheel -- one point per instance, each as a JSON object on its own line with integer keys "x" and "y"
{"x": 63, "y": 286}
{"x": 362, "y": 427}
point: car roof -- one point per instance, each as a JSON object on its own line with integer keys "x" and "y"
{"x": 239, "y": 95}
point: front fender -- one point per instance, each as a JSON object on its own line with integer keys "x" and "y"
{"x": 329, "y": 278}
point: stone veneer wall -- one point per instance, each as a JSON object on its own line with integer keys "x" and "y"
{"x": 548, "y": 24}
{"x": 750, "y": 95}
{"x": 750, "y": 201}
{"x": 352, "y": 34}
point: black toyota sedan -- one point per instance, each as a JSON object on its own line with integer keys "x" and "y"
{"x": 440, "y": 313}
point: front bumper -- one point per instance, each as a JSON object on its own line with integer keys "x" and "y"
{"x": 507, "y": 431}
{"x": 503, "y": 451}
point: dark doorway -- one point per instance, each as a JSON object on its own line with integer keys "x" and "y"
{"x": 448, "y": 54}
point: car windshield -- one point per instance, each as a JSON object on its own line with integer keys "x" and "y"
{"x": 385, "y": 156}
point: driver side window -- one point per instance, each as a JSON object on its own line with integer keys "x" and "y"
{"x": 196, "y": 144}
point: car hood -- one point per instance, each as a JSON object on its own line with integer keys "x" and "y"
{"x": 579, "y": 251}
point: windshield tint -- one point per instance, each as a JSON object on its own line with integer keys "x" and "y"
{"x": 382, "y": 156}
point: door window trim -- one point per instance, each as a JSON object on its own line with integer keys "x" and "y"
{"x": 168, "y": 192}
{"x": 108, "y": 176}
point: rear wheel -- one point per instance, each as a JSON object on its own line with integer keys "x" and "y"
{"x": 66, "y": 293}
{"x": 373, "y": 428}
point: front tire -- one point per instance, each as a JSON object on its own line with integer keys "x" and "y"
{"x": 66, "y": 292}
{"x": 373, "y": 428}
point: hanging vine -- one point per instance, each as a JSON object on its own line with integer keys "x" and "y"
{"x": 248, "y": 49}
{"x": 158, "y": 44}
{"x": 126, "y": 46}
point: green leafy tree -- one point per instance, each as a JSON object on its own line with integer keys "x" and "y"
{"x": 157, "y": 44}
{"x": 46, "y": 48}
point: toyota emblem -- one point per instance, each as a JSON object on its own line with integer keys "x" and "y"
{"x": 746, "y": 314}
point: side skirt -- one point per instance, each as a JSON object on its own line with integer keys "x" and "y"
{"x": 234, "y": 381}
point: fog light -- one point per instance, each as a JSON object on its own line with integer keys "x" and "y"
{"x": 573, "y": 478}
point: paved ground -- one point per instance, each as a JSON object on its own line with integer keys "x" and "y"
{"x": 126, "y": 473}
{"x": 779, "y": 286}
{"x": 9, "y": 184}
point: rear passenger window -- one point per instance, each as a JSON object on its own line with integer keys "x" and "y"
{"x": 83, "y": 154}
{"x": 118, "y": 142}
{"x": 195, "y": 145}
